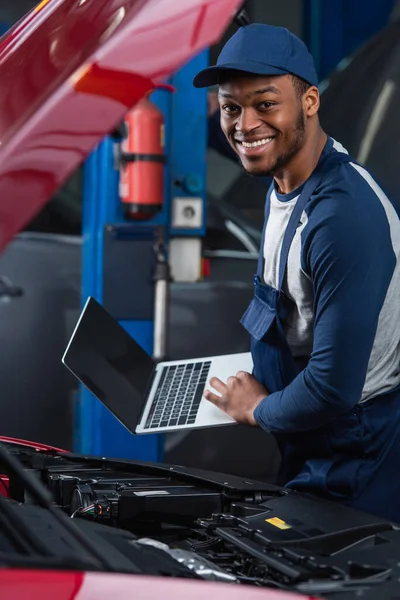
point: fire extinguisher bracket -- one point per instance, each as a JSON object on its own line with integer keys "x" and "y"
{"x": 133, "y": 157}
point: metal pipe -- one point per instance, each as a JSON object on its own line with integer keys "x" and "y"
{"x": 161, "y": 309}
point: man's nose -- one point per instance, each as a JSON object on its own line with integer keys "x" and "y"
{"x": 247, "y": 121}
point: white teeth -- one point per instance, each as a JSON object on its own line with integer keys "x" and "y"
{"x": 257, "y": 143}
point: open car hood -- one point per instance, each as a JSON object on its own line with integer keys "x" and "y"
{"x": 69, "y": 72}
{"x": 179, "y": 523}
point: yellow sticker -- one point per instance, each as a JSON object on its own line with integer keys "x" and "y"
{"x": 278, "y": 523}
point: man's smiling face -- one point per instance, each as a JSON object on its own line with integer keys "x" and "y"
{"x": 263, "y": 119}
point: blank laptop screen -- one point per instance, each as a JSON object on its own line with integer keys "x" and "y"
{"x": 110, "y": 363}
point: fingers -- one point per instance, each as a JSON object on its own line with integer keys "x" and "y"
{"x": 223, "y": 388}
{"x": 218, "y": 385}
{"x": 242, "y": 375}
{"x": 213, "y": 398}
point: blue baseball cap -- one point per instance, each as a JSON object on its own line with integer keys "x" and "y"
{"x": 261, "y": 50}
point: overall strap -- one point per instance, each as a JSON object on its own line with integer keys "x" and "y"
{"x": 322, "y": 169}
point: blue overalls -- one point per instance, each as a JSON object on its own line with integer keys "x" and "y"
{"x": 355, "y": 459}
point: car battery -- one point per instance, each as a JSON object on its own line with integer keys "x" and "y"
{"x": 123, "y": 498}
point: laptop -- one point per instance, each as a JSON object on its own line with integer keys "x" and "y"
{"x": 145, "y": 396}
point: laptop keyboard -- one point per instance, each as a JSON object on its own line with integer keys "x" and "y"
{"x": 178, "y": 395}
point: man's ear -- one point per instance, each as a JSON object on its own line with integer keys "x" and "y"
{"x": 311, "y": 101}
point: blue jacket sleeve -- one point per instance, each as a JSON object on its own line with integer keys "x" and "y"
{"x": 347, "y": 252}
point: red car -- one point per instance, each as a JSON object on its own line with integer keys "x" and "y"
{"x": 37, "y": 585}
{"x": 48, "y": 554}
{"x": 84, "y": 527}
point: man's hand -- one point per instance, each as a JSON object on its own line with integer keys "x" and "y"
{"x": 239, "y": 396}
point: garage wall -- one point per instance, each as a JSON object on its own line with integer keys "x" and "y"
{"x": 286, "y": 13}
{"x": 10, "y": 12}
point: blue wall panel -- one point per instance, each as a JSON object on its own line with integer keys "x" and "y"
{"x": 333, "y": 29}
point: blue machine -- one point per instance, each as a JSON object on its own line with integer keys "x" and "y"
{"x": 118, "y": 255}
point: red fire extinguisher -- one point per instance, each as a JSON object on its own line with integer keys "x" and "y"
{"x": 142, "y": 160}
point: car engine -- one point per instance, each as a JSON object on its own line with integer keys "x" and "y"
{"x": 165, "y": 520}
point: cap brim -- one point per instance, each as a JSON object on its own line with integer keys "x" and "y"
{"x": 211, "y": 75}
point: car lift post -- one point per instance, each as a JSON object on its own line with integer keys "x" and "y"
{"x": 119, "y": 261}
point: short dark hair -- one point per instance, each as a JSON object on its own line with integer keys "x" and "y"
{"x": 300, "y": 85}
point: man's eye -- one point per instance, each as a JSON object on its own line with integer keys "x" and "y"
{"x": 265, "y": 105}
{"x": 229, "y": 108}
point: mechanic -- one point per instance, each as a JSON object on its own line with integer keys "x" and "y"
{"x": 325, "y": 318}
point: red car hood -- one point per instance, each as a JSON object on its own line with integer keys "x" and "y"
{"x": 69, "y": 72}
{"x": 48, "y": 585}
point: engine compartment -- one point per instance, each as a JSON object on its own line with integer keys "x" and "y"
{"x": 181, "y": 522}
